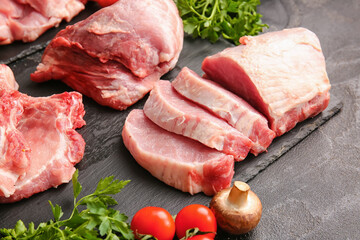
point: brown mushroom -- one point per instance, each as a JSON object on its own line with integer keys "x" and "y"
{"x": 237, "y": 209}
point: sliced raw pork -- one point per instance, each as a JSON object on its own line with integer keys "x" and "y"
{"x": 26, "y": 20}
{"x": 226, "y": 105}
{"x": 282, "y": 74}
{"x": 38, "y": 142}
{"x": 118, "y": 53}
{"x": 171, "y": 111}
{"x": 174, "y": 159}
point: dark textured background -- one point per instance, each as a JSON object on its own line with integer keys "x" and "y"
{"x": 310, "y": 192}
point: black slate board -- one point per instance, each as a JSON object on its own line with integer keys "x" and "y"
{"x": 106, "y": 155}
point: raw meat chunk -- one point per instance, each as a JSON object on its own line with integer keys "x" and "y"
{"x": 38, "y": 142}
{"x": 14, "y": 150}
{"x": 7, "y": 79}
{"x": 116, "y": 54}
{"x": 282, "y": 74}
{"x": 226, "y": 105}
{"x": 174, "y": 159}
{"x": 173, "y": 112}
{"x": 26, "y": 20}
{"x": 110, "y": 83}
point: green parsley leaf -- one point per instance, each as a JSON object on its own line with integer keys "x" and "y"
{"x": 76, "y": 185}
{"x": 97, "y": 221}
{"x": 210, "y": 19}
{"x": 57, "y": 212}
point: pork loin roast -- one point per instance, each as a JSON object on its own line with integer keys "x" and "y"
{"x": 282, "y": 74}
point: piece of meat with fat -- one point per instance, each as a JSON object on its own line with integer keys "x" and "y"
{"x": 26, "y": 20}
{"x": 176, "y": 160}
{"x": 38, "y": 142}
{"x": 133, "y": 43}
{"x": 7, "y": 78}
{"x": 110, "y": 83}
{"x": 14, "y": 151}
{"x": 226, "y": 105}
{"x": 282, "y": 74}
{"x": 171, "y": 111}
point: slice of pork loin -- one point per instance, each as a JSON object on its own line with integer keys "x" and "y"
{"x": 176, "y": 160}
{"x": 136, "y": 41}
{"x": 282, "y": 74}
{"x": 47, "y": 125}
{"x": 226, "y": 105}
{"x": 173, "y": 112}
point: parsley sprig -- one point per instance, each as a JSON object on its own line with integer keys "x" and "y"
{"x": 210, "y": 19}
{"x": 96, "y": 221}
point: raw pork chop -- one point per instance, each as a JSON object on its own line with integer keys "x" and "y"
{"x": 26, "y": 20}
{"x": 117, "y": 54}
{"x": 14, "y": 150}
{"x": 38, "y": 142}
{"x": 226, "y": 105}
{"x": 282, "y": 74}
{"x": 174, "y": 159}
{"x": 173, "y": 112}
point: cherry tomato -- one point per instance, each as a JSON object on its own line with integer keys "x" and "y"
{"x": 200, "y": 237}
{"x": 105, "y": 3}
{"x": 195, "y": 215}
{"x": 153, "y": 221}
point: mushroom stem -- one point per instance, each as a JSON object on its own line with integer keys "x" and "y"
{"x": 238, "y": 194}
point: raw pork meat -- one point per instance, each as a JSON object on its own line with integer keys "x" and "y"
{"x": 26, "y": 20}
{"x": 7, "y": 79}
{"x": 14, "y": 150}
{"x": 117, "y": 54}
{"x": 282, "y": 74}
{"x": 38, "y": 142}
{"x": 226, "y": 105}
{"x": 174, "y": 159}
{"x": 171, "y": 111}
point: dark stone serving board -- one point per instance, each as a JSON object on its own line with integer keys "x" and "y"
{"x": 105, "y": 153}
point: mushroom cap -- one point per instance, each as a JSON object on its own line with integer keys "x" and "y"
{"x": 233, "y": 219}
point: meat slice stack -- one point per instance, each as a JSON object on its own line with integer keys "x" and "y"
{"x": 282, "y": 74}
{"x": 26, "y": 20}
{"x": 38, "y": 142}
{"x": 226, "y": 105}
{"x": 118, "y": 53}
{"x": 173, "y": 112}
{"x": 174, "y": 159}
